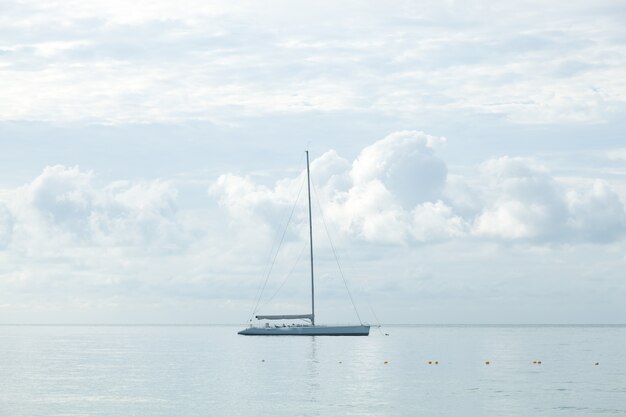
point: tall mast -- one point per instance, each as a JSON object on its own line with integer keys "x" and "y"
{"x": 308, "y": 180}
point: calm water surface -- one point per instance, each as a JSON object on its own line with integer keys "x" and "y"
{"x": 211, "y": 371}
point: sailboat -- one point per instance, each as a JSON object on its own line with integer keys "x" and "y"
{"x": 309, "y": 328}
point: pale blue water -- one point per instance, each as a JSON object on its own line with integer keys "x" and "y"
{"x": 211, "y": 371}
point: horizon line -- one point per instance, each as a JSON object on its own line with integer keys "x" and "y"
{"x": 372, "y": 325}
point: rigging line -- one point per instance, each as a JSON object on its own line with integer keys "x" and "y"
{"x": 282, "y": 238}
{"x": 259, "y": 290}
{"x": 332, "y": 246}
{"x": 286, "y": 276}
{"x": 376, "y": 317}
{"x": 271, "y": 267}
{"x": 266, "y": 269}
{"x": 269, "y": 255}
{"x": 364, "y": 295}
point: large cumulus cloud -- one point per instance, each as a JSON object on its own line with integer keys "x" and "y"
{"x": 392, "y": 192}
{"x": 398, "y": 191}
{"x": 596, "y": 214}
{"x": 525, "y": 202}
{"x": 68, "y": 204}
{"x": 74, "y": 245}
{"x": 406, "y": 163}
{"x": 64, "y": 197}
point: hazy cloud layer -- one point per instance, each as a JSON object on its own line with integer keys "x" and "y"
{"x": 163, "y": 61}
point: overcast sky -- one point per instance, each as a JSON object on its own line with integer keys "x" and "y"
{"x": 469, "y": 160}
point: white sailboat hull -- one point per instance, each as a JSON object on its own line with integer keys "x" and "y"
{"x": 307, "y": 331}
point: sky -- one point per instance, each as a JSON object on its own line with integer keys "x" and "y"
{"x": 468, "y": 160}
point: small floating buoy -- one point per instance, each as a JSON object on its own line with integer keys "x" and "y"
{"x": 430, "y": 362}
{"x": 386, "y": 334}
{"x": 535, "y": 362}
{"x": 487, "y": 362}
{"x": 262, "y": 360}
{"x": 339, "y": 362}
{"x": 436, "y": 362}
{"x": 597, "y": 363}
{"x": 538, "y": 362}
{"x": 386, "y": 362}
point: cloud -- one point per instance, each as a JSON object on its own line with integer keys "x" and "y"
{"x": 436, "y": 221}
{"x": 64, "y": 197}
{"x": 156, "y": 62}
{"x": 617, "y": 155}
{"x": 397, "y": 183}
{"x": 370, "y": 212}
{"x": 74, "y": 246}
{"x": 406, "y": 164}
{"x": 253, "y": 205}
{"x": 6, "y": 226}
{"x": 67, "y": 203}
{"x": 70, "y": 238}
{"x": 143, "y": 214}
{"x": 597, "y": 214}
{"x": 332, "y": 171}
{"x": 526, "y": 203}
{"x": 389, "y": 193}
{"x": 396, "y": 191}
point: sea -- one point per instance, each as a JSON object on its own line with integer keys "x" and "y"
{"x": 206, "y": 370}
